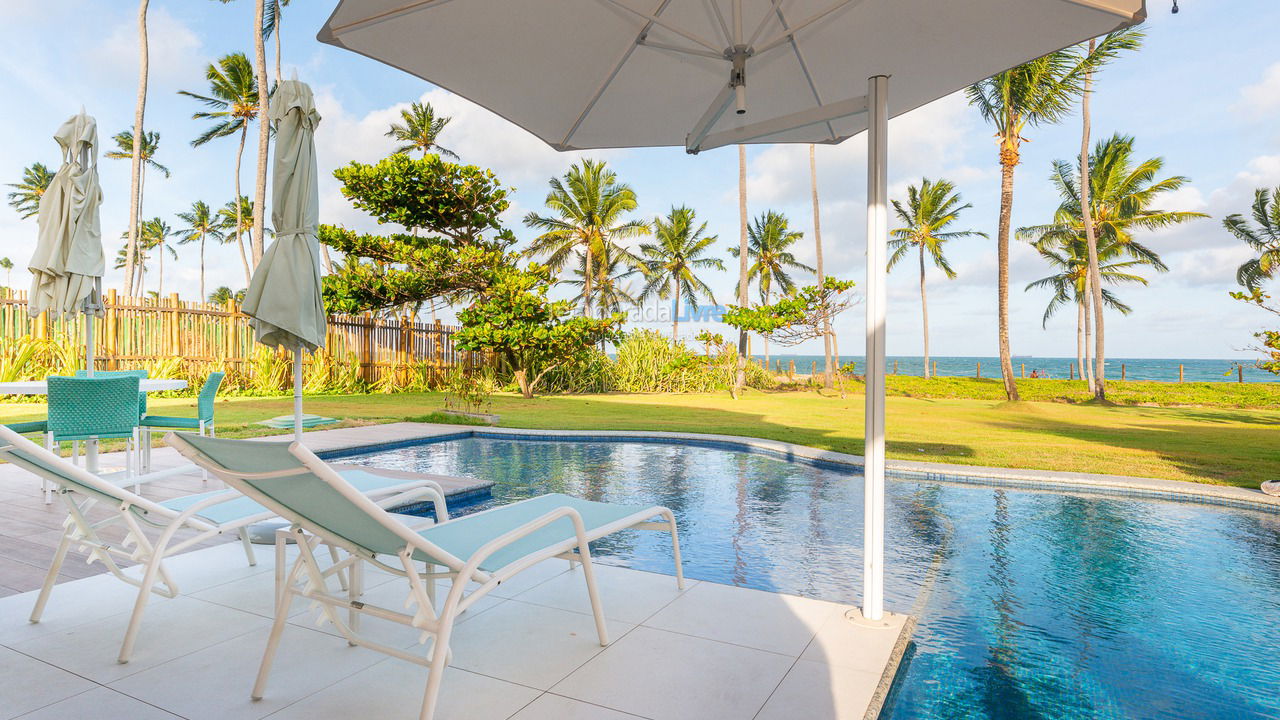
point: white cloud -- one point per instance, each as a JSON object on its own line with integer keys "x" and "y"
{"x": 1235, "y": 197}
{"x": 173, "y": 50}
{"x": 1261, "y": 100}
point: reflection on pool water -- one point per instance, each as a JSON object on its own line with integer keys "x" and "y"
{"x": 1038, "y": 604}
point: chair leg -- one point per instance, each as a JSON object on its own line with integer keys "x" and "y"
{"x": 44, "y": 482}
{"x": 52, "y": 577}
{"x": 439, "y": 662}
{"x": 248, "y": 547}
{"x": 589, "y": 572}
{"x": 344, "y": 581}
{"x": 283, "y": 602}
{"x": 140, "y": 606}
{"x": 204, "y": 473}
{"x": 355, "y": 588}
{"x": 675, "y": 549}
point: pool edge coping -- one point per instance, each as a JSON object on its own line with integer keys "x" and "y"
{"x": 1180, "y": 490}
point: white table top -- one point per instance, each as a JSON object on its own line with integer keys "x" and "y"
{"x": 40, "y": 387}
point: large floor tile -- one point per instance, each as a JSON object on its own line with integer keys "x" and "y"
{"x": 817, "y": 690}
{"x": 70, "y": 604}
{"x": 528, "y": 644}
{"x": 762, "y": 620}
{"x": 557, "y": 707}
{"x": 630, "y": 596}
{"x": 669, "y": 676}
{"x": 855, "y": 646}
{"x": 529, "y": 578}
{"x": 202, "y": 569}
{"x": 27, "y": 684}
{"x": 100, "y": 704}
{"x": 169, "y": 630}
{"x": 215, "y": 683}
{"x": 392, "y": 690}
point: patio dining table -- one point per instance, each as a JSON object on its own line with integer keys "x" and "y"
{"x": 40, "y": 387}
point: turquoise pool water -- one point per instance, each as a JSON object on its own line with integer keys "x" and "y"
{"x": 1031, "y": 604}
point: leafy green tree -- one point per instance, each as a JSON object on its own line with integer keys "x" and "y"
{"x": 147, "y": 154}
{"x": 419, "y": 131}
{"x": 528, "y": 333}
{"x": 27, "y": 193}
{"x": 223, "y": 295}
{"x": 1040, "y": 92}
{"x": 768, "y": 241}
{"x": 931, "y": 208}
{"x": 802, "y": 313}
{"x": 1269, "y": 340}
{"x": 235, "y": 219}
{"x": 455, "y": 246}
{"x": 1263, "y": 238}
{"x": 7, "y": 265}
{"x": 202, "y": 224}
{"x": 233, "y": 106}
{"x": 587, "y": 205}
{"x": 672, "y": 262}
{"x": 155, "y": 235}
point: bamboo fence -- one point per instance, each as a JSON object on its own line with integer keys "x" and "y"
{"x": 136, "y": 331}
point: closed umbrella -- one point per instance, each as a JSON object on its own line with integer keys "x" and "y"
{"x": 702, "y": 74}
{"x": 68, "y": 263}
{"x": 284, "y": 297}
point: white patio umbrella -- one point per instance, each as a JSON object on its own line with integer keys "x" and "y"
{"x": 284, "y": 296}
{"x": 625, "y": 73}
{"x": 68, "y": 262}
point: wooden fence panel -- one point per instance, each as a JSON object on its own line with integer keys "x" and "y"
{"x": 134, "y": 331}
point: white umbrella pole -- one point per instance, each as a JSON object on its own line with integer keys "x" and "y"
{"x": 877, "y": 238}
{"x": 297, "y": 395}
{"x": 88, "y": 313}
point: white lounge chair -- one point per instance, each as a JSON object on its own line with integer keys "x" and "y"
{"x": 205, "y": 515}
{"x": 486, "y": 548}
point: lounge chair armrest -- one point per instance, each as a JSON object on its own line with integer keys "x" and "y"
{"x": 509, "y": 537}
{"x": 430, "y": 492}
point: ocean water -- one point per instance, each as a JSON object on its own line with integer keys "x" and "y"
{"x": 1030, "y": 604}
{"x": 1159, "y": 369}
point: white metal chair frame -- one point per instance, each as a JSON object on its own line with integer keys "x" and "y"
{"x": 134, "y": 511}
{"x": 307, "y": 578}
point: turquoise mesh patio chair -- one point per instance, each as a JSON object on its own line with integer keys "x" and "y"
{"x": 82, "y": 408}
{"x": 140, "y": 374}
{"x": 474, "y": 553}
{"x": 201, "y": 423}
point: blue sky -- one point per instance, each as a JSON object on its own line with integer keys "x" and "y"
{"x": 1204, "y": 94}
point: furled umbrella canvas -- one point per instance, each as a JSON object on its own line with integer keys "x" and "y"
{"x": 284, "y": 298}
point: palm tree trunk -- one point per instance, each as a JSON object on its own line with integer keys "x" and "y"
{"x": 264, "y": 133}
{"x": 675, "y": 315}
{"x": 1080, "y": 315}
{"x": 160, "y": 279}
{"x": 277, "y": 38}
{"x": 1098, "y": 384}
{"x": 203, "y": 297}
{"x": 324, "y": 255}
{"x": 827, "y": 380}
{"x": 924, "y": 315}
{"x": 586, "y": 281}
{"x": 1086, "y": 370}
{"x": 135, "y": 184}
{"x": 740, "y": 379}
{"x": 142, "y": 184}
{"x": 766, "y": 339}
{"x": 1002, "y": 262}
{"x": 244, "y": 132}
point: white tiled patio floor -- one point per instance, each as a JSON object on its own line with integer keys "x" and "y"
{"x": 527, "y": 652}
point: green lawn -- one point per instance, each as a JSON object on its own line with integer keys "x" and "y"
{"x": 1214, "y": 445}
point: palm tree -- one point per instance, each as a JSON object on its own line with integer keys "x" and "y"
{"x": 135, "y": 176}
{"x": 26, "y": 195}
{"x": 1264, "y": 239}
{"x": 202, "y": 223}
{"x": 154, "y": 235}
{"x": 768, "y": 240}
{"x": 1039, "y": 92}
{"x": 233, "y": 97}
{"x": 1112, "y": 45}
{"x": 420, "y": 130}
{"x": 612, "y": 292}
{"x": 124, "y": 150}
{"x": 1070, "y": 283}
{"x": 271, "y": 27}
{"x": 237, "y": 218}
{"x": 1123, "y": 193}
{"x": 827, "y": 369}
{"x": 930, "y": 209}
{"x": 670, "y": 262}
{"x": 7, "y": 265}
{"x": 588, "y": 203}
{"x": 223, "y": 295}
{"x": 258, "y": 241}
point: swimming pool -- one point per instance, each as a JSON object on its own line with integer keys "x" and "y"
{"x": 1031, "y": 604}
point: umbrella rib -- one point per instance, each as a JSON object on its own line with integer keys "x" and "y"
{"x": 655, "y": 20}
{"x": 775, "y": 9}
{"x": 385, "y": 15}
{"x": 782, "y": 37}
{"x": 804, "y": 68}
{"x": 617, "y": 67}
{"x": 724, "y": 27}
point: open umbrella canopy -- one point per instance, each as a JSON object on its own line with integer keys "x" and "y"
{"x": 284, "y": 297}
{"x": 68, "y": 262}
{"x": 628, "y": 73}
